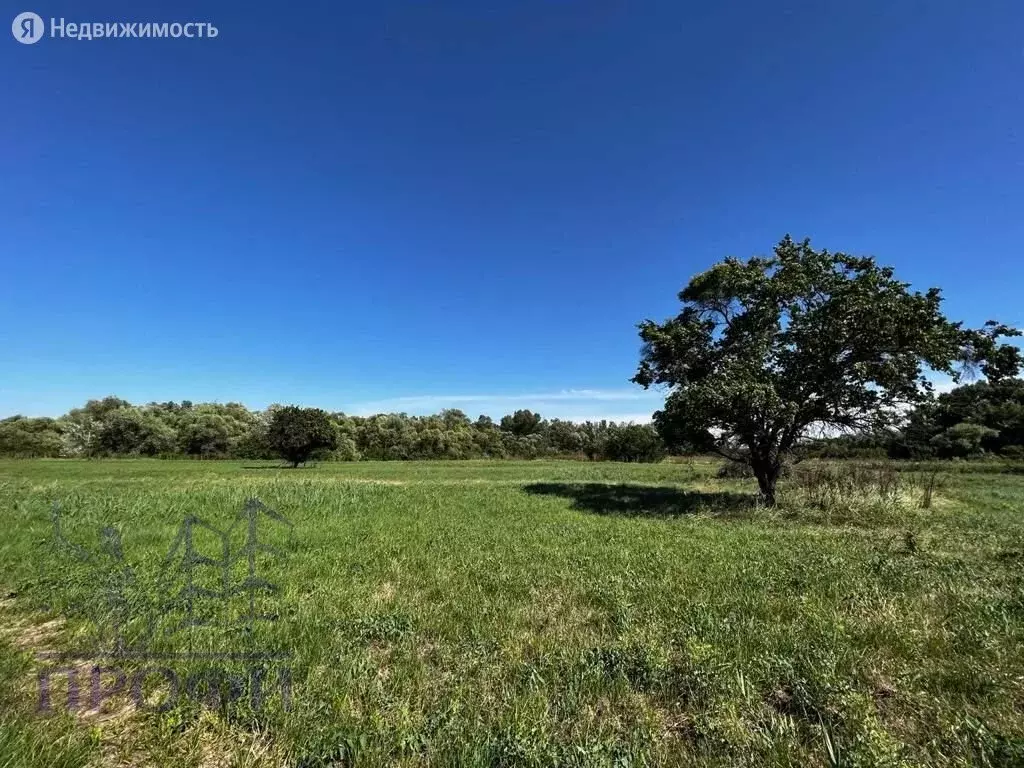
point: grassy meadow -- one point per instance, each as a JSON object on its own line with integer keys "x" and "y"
{"x": 548, "y": 613}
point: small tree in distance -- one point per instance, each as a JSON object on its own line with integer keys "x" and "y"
{"x": 769, "y": 350}
{"x": 521, "y": 423}
{"x": 295, "y": 434}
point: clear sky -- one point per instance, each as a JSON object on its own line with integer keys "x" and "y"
{"x": 418, "y": 205}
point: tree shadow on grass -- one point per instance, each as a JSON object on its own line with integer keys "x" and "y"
{"x": 646, "y": 500}
{"x": 286, "y": 465}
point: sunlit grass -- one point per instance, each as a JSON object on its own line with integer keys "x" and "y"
{"x": 559, "y": 613}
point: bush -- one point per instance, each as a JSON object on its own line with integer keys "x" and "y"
{"x": 346, "y": 450}
{"x": 848, "y": 447}
{"x": 132, "y": 432}
{"x": 734, "y": 470}
{"x": 963, "y": 440}
{"x": 740, "y": 470}
{"x": 1013, "y": 452}
{"x": 30, "y": 438}
{"x": 634, "y": 442}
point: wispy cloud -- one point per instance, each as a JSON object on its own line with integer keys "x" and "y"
{"x": 573, "y": 404}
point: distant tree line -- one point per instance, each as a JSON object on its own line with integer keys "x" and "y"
{"x": 114, "y": 427}
{"x": 972, "y": 421}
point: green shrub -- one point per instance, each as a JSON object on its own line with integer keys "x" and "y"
{"x": 1013, "y": 452}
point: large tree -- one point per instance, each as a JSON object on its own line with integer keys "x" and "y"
{"x": 769, "y": 350}
{"x": 296, "y": 434}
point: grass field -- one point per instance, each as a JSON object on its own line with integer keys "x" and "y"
{"x": 528, "y": 614}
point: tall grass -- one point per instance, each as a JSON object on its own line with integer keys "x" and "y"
{"x": 559, "y": 614}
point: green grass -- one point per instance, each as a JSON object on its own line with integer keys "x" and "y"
{"x": 548, "y": 613}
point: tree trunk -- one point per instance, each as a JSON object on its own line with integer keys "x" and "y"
{"x": 767, "y": 474}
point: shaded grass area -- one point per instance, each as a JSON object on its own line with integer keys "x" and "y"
{"x": 555, "y": 613}
{"x": 636, "y": 500}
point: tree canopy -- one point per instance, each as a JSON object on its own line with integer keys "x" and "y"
{"x": 115, "y": 427}
{"x": 296, "y": 434}
{"x": 767, "y": 350}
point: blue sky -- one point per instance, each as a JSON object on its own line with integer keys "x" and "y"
{"x": 411, "y": 206}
